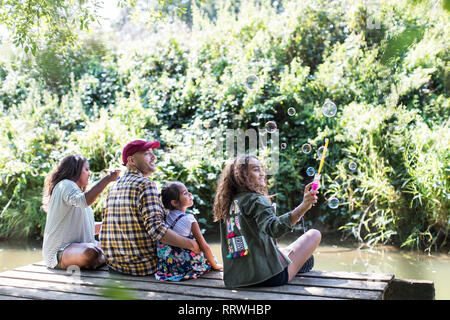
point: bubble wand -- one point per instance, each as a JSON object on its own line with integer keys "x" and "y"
{"x": 315, "y": 184}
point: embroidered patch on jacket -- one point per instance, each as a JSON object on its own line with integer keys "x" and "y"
{"x": 237, "y": 246}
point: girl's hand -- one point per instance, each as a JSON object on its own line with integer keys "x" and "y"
{"x": 217, "y": 267}
{"x": 309, "y": 198}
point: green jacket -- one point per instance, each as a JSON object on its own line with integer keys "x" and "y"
{"x": 249, "y": 252}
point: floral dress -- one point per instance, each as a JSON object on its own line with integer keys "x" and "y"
{"x": 176, "y": 264}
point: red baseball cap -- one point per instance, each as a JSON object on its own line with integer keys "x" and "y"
{"x": 136, "y": 146}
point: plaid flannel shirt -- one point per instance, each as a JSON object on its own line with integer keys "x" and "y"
{"x": 133, "y": 221}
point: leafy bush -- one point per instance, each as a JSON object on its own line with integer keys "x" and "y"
{"x": 386, "y": 69}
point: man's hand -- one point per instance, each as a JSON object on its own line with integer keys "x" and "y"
{"x": 174, "y": 239}
{"x": 195, "y": 247}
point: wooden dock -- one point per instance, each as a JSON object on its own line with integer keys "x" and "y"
{"x": 36, "y": 281}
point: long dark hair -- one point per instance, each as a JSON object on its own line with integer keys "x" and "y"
{"x": 171, "y": 191}
{"x": 68, "y": 168}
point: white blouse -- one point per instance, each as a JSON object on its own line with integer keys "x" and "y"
{"x": 69, "y": 220}
{"x": 183, "y": 225}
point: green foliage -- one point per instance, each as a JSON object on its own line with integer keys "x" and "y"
{"x": 186, "y": 85}
{"x": 116, "y": 290}
{"x": 57, "y": 68}
{"x": 54, "y": 20}
{"x": 60, "y": 22}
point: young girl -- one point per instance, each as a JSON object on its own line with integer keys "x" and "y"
{"x": 248, "y": 224}
{"x": 174, "y": 263}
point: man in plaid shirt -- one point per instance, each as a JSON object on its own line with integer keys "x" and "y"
{"x": 134, "y": 219}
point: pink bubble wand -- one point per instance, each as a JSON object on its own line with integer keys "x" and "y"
{"x": 315, "y": 184}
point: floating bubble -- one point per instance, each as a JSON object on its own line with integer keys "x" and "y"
{"x": 283, "y": 145}
{"x": 329, "y": 109}
{"x": 352, "y": 166}
{"x": 291, "y": 111}
{"x": 333, "y": 203}
{"x": 320, "y": 152}
{"x": 271, "y": 126}
{"x": 310, "y": 171}
{"x": 306, "y": 148}
{"x": 207, "y": 124}
{"x": 251, "y": 81}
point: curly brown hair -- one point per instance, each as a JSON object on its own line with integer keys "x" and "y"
{"x": 68, "y": 168}
{"x": 234, "y": 179}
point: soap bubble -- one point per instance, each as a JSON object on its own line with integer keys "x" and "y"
{"x": 333, "y": 203}
{"x": 320, "y": 152}
{"x": 291, "y": 111}
{"x": 310, "y": 171}
{"x": 306, "y": 148}
{"x": 352, "y": 166}
{"x": 283, "y": 145}
{"x": 329, "y": 109}
{"x": 271, "y": 126}
{"x": 207, "y": 124}
{"x": 251, "y": 81}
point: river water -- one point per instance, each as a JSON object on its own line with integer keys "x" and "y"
{"x": 330, "y": 256}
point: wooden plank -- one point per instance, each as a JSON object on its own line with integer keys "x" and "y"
{"x": 333, "y": 281}
{"x": 214, "y": 283}
{"x": 324, "y": 292}
{"x": 345, "y": 284}
{"x": 311, "y": 285}
{"x": 46, "y": 289}
{"x": 324, "y": 279}
{"x": 324, "y": 282}
{"x": 341, "y": 283}
{"x": 294, "y": 289}
{"x": 100, "y": 278}
{"x": 39, "y": 293}
{"x": 311, "y": 274}
{"x": 193, "y": 284}
{"x": 2, "y": 297}
{"x": 367, "y": 276}
{"x": 406, "y": 289}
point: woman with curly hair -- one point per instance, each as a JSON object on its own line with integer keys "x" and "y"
{"x": 69, "y": 229}
{"x": 248, "y": 226}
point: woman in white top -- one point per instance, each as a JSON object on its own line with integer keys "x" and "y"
{"x": 69, "y": 229}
